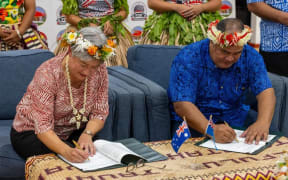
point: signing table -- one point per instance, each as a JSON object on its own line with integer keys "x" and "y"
{"x": 191, "y": 162}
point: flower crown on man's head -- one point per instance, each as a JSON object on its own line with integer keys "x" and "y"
{"x": 76, "y": 39}
{"x": 228, "y": 39}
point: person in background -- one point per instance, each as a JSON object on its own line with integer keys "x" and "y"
{"x": 210, "y": 77}
{"x": 179, "y": 22}
{"x": 107, "y": 14}
{"x": 274, "y": 33}
{"x": 66, "y": 100}
{"x": 16, "y": 32}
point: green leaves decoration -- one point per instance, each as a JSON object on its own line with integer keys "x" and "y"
{"x": 180, "y": 31}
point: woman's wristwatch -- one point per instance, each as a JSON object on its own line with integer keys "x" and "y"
{"x": 88, "y": 132}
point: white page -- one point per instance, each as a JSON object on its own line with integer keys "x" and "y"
{"x": 107, "y": 154}
{"x": 113, "y": 150}
{"x": 95, "y": 162}
{"x": 234, "y": 146}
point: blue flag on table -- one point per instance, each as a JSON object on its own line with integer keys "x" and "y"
{"x": 210, "y": 130}
{"x": 181, "y": 134}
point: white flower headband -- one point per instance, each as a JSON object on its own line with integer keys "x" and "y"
{"x": 224, "y": 39}
{"x": 75, "y": 38}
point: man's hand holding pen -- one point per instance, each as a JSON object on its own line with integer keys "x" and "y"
{"x": 224, "y": 133}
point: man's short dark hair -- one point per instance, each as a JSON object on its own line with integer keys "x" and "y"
{"x": 228, "y": 23}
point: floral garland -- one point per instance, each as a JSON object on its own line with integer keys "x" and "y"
{"x": 75, "y": 38}
{"x": 228, "y": 39}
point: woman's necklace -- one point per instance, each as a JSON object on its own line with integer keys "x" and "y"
{"x": 78, "y": 116}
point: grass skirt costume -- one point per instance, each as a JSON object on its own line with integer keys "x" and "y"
{"x": 11, "y": 12}
{"x": 169, "y": 28}
{"x": 97, "y": 16}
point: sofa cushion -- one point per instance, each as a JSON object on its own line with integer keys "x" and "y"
{"x": 278, "y": 84}
{"x": 17, "y": 70}
{"x": 152, "y": 61}
{"x": 5, "y": 126}
{"x": 156, "y": 101}
{"x": 107, "y": 131}
{"x": 284, "y": 117}
{"x": 122, "y": 111}
{"x": 11, "y": 165}
{"x": 138, "y": 112}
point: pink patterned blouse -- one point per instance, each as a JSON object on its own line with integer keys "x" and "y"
{"x": 46, "y": 104}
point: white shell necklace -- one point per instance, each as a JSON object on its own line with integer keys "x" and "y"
{"x": 78, "y": 116}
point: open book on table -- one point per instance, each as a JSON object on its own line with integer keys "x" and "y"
{"x": 240, "y": 146}
{"x": 117, "y": 154}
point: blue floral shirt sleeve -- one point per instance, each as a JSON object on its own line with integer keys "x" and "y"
{"x": 183, "y": 76}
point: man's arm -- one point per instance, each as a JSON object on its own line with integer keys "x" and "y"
{"x": 267, "y": 12}
{"x": 260, "y": 129}
{"x": 197, "y": 121}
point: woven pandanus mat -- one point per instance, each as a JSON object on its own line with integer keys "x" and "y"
{"x": 191, "y": 162}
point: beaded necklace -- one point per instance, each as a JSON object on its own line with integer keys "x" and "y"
{"x": 78, "y": 116}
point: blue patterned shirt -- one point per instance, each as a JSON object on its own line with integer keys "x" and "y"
{"x": 274, "y": 36}
{"x": 220, "y": 92}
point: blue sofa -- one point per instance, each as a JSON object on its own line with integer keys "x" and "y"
{"x": 138, "y": 103}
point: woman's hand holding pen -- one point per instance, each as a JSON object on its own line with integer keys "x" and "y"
{"x": 223, "y": 133}
{"x": 75, "y": 155}
{"x": 85, "y": 142}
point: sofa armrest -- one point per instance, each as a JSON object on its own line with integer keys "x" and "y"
{"x": 284, "y": 110}
{"x": 156, "y": 102}
{"x": 278, "y": 83}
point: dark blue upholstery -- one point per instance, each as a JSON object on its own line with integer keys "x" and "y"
{"x": 17, "y": 70}
{"x": 122, "y": 111}
{"x": 138, "y": 111}
{"x": 156, "y": 103}
{"x": 152, "y": 61}
{"x": 107, "y": 131}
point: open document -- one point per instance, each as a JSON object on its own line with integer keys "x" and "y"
{"x": 115, "y": 154}
{"x": 240, "y": 146}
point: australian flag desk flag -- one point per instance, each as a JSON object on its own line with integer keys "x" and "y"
{"x": 182, "y": 133}
{"x": 210, "y": 130}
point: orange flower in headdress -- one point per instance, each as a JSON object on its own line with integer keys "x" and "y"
{"x": 92, "y": 50}
{"x": 106, "y": 49}
{"x": 111, "y": 43}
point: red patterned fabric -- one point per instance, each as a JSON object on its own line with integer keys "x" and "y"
{"x": 46, "y": 104}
